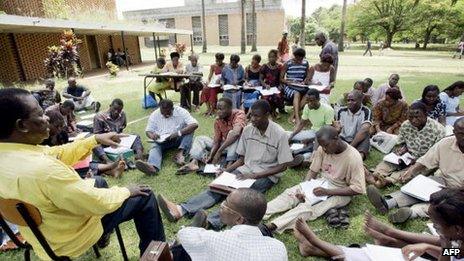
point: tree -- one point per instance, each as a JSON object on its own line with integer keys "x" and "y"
{"x": 203, "y": 26}
{"x": 302, "y": 23}
{"x": 310, "y": 28}
{"x": 242, "y": 32}
{"x": 342, "y": 28}
{"x": 253, "y": 21}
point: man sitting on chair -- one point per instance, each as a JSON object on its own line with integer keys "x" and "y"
{"x": 80, "y": 95}
{"x": 75, "y": 212}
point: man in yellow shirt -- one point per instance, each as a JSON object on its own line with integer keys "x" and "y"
{"x": 75, "y": 212}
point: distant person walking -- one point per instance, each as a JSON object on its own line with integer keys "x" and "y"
{"x": 283, "y": 49}
{"x": 368, "y": 48}
{"x": 459, "y": 50}
{"x": 328, "y": 47}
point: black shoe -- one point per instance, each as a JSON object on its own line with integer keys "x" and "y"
{"x": 199, "y": 220}
{"x": 265, "y": 230}
{"x": 377, "y": 199}
{"x": 400, "y": 216}
{"x": 104, "y": 241}
{"x": 130, "y": 164}
{"x": 97, "y": 106}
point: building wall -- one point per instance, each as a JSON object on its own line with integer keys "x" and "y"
{"x": 9, "y": 72}
{"x": 131, "y": 42}
{"x": 23, "y": 7}
{"x": 269, "y": 27}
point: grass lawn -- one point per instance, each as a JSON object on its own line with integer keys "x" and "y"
{"x": 416, "y": 69}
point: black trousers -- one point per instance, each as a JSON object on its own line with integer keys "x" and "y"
{"x": 143, "y": 210}
{"x": 186, "y": 95}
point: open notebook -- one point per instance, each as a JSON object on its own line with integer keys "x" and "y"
{"x": 307, "y": 188}
{"x": 381, "y": 253}
{"x": 395, "y": 159}
{"x": 421, "y": 187}
{"x": 271, "y": 91}
{"x": 211, "y": 168}
{"x": 230, "y": 180}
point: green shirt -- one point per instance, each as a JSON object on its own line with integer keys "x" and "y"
{"x": 324, "y": 115}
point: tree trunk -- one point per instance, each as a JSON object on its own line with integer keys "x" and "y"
{"x": 389, "y": 39}
{"x": 203, "y": 26}
{"x": 253, "y": 20}
{"x": 243, "y": 38}
{"x": 427, "y": 35}
{"x": 302, "y": 23}
{"x": 342, "y": 28}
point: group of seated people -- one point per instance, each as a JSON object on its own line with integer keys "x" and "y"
{"x": 249, "y": 144}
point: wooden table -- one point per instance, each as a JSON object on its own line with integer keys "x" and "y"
{"x": 154, "y": 75}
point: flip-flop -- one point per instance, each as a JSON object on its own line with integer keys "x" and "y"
{"x": 185, "y": 170}
{"x": 332, "y": 218}
{"x": 344, "y": 217}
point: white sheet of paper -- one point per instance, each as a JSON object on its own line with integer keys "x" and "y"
{"x": 162, "y": 138}
{"x": 215, "y": 81}
{"x": 230, "y": 87}
{"x": 79, "y": 136}
{"x": 256, "y": 88}
{"x": 117, "y": 150}
{"x": 307, "y": 188}
{"x": 297, "y": 146}
{"x": 395, "y": 159}
{"x": 88, "y": 116}
{"x": 85, "y": 123}
{"x": 271, "y": 91}
{"x": 381, "y": 253}
{"x": 432, "y": 229}
{"x": 317, "y": 87}
{"x": 127, "y": 141}
{"x": 421, "y": 187}
{"x": 449, "y": 130}
{"x": 230, "y": 180}
{"x": 211, "y": 168}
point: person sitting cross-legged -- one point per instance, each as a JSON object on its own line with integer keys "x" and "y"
{"x": 242, "y": 211}
{"x": 177, "y": 125}
{"x": 66, "y": 109}
{"x": 339, "y": 164}
{"x": 389, "y": 113}
{"x": 353, "y": 123}
{"x": 114, "y": 120}
{"x": 227, "y": 129}
{"x": 416, "y": 136}
{"x": 80, "y": 96}
{"x": 48, "y": 96}
{"x": 263, "y": 152}
{"x": 447, "y": 155}
{"x": 76, "y": 213}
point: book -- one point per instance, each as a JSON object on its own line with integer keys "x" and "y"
{"x": 211, "y": 168}
{"x": 228, "y": 87}
{"x": 85, "y": 163}
{"x": 381, "y": 253}
{"x": 128, "y": 141}
{"x": 384, "y": 142}
{"x": 320, "y": 88}
{"x": 307, "y": 188}
{"x": 252, "y": 88}
{"x": 296, "y": 146}
{"x": 88, "y": 116}
{"x": 215, "y": 81}
{"x": 162, "y": 138}
{"x": 85, "y": 123}
{"x": 421, "y": 187}
{"x": 118, "y": 150}
{"x": 227, "y": 182}
{"x": 406, "y": 158}
{"x": 271, "y": 91}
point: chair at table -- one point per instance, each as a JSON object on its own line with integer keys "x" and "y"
{"x": 26, "y": 215}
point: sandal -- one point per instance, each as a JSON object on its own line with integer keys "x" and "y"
{"x": 332, "y": 218}
{"x": 344, "y": 217}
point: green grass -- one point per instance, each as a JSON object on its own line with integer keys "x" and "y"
{"x": 416, "y": 69}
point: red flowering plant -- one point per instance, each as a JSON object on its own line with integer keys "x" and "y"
{"x": 63, "y": 60}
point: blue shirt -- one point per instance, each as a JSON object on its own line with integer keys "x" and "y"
{"x": 233, "y": 76}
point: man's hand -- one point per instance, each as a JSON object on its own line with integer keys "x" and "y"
{"x": 139, "y": 190}
{"x": 173, "y": 136}
{"x": 338, "y": 126}
{"x": 300, "y": 196}
{"x": 216, "y": 158}
{"x": 406, "y": 176}
{"x": 319, "y": 191}
{"x": 153, "y": 136}
{"x": 390, "y": 130}
{"x": 401, "y": 150}
{"x": 411, "y": 252}
{"x": 242, "y": 176}
{"x": 109, "y": 139}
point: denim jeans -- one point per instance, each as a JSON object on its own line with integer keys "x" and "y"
{"x": 155, "y": 156}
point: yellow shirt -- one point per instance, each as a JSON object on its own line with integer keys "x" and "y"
{"x": 71, "y": 207}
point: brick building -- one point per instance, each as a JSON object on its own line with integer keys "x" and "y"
{"x": 222, "y": 19}
{"x": 27, "y": 30}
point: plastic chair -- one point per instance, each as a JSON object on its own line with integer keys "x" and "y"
{"x": 26, "y": 215}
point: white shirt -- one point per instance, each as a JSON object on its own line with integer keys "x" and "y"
{"x": 160, "y": 125}
{"x": 240, "y": 243}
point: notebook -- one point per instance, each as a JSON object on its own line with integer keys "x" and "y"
{"x": 117, "y": 150}
{"x": 230, "y": 180}
{"x": 395, "y": 159}
{"x": 421, "y": 187}
{"x": 296, "y": 146}
{"x": 271, "y": 91}
{"x": 381, "y": 253}
{"x": 228, "y": 87}
{"x": 162, "y": 138}
{"x": 215, "y": 81}
{"x": 317, "y": 87}
{"x": 211, "y": 168}
{"x": 128, "y": 141}
{"x": 307, "y": 188}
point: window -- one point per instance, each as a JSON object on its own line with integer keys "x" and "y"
{"x": 169, "y": 23}
{"x": 223, "y": 30}
{"x": 197, "y": 31}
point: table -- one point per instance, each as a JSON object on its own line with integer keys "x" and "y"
{"x": 153, "y": 76}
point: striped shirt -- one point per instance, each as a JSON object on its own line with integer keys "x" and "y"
{"x": 179, "y": 119}
{"x": 351, "y": 122}
{"x": 297, "y": 72}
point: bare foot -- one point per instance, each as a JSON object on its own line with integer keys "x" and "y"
{"x": 382, "y": 239}
{"x": 179, "y": 158}
{"x": 190, "y": 167}
{"x": 376, "y": 224}
{"x": 305, "y": 247}
{"x": 304, "y": 229}
{"x": 118, "y": 171}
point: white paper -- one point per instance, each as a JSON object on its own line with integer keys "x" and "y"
{"x": 384, "y": 142}
{"x": 307, "y": 188}
{"x": 421, "y": 187}
{"x": 88, "y": 116}
{"x": 317, "y": 87}
{"x": 79, "y": 136}
{"x": 211, "y": 168}
{"x": 432, "y": 229}
{"x": 127, "y": 141}
{"x": 381, "y": 253}
{"x": 395, "y": 159}
{"x": 449, "y": 130}
{"x": 169, "y": 73}
{"x": 230, "y": 87}
{"x": 215, "y": 81}
{"x": 256, "y": 88}
{"x": 85, "y": 123}
{"x": 117, "y": 150}
{"x": 271, "y": 91}
{"x": 230, "y": 180}
{"x": 162, "y": 138}
{"x": 296, "y": 146}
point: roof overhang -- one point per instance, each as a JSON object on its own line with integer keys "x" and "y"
{"x": 24, "y": 24}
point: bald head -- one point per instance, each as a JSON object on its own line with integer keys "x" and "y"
{"x": 72, "y": 81}
{"x": 327, "y": 132}
{"x": 249, "y": 203}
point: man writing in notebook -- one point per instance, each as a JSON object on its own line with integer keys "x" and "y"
{"x": 416, "y": 136}
{"x": 227, "y": 129}
{"x": 447, "y": 155}
{"x": 242, "y": 211}
{"x": 339, "y": 164}
{"x": 263, "y": 152}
